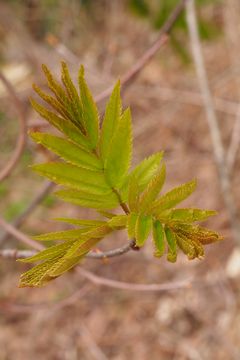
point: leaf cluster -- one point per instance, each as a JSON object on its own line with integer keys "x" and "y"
{"x": 93, "y": 168}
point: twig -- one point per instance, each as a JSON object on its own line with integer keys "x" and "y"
{"x": 131, "y": 74}
{"x": 22, "y": 254}
{"x": 9, "y": 167}
{"x": 218, "y": 148}
{"x": 234, "y": 143}
{"x": 232, "y": 32}
{"x": 19, "y": 235}
{"x": 98, "y": 280}
{"x": 44, "y": 191}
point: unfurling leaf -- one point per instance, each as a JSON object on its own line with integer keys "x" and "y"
{"x": 94, "y": 171}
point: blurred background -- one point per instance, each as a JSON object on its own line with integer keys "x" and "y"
{"x": 73, "y": 317}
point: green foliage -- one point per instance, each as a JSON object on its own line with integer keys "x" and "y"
{"x": 94, "y": 172}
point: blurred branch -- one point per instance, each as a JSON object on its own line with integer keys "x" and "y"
{"x": 44, "y": 191}
{"x": 19, "y": 235}
{"x": 232, "y": 18}
{"x": 234, "y": 143}
{"x": 215, "y": 133}
{"x": 16, "y": 102}
{"x": 22, "y": 254}
{"x": 132, "y": 73}
{"x": 98, "y": 280}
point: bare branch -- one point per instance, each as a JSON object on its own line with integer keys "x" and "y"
{"x": 215, "y": 133}
{"x": 98, "y": 280}
{"x": 22, "y": 254}
{"x": 19, "y": 235}
{"x": 21, "y": 141}
{"x": 132, "y": 73}
{"x": 234, "y": 143}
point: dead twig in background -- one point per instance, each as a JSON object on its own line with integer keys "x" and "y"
{"x": 234, "y": 143}
{"x": 21, "y": 141}
{"x": 215, "y": 133}
{"x": 132, "y": 73}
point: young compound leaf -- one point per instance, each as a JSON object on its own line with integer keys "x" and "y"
{"x": 89, "y": 111}
{"x": 152, "y": 190}
{"x": 111, "y": 120}
{"x": 158, "y": 238}
{"x": 68, "y": 151}
{"x": 119, "y": 156}
{"x": 74, "y": 177}
{"x": 173, "y": 197}
{"x": 143, "y": 228}
{"x": 172, "y": 246}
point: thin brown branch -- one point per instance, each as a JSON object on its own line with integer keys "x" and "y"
{"x": 19, "y": 235}
{"x": 132, "y": 73}
{"x": 212, "y": 120}
{"x": 98, "y": 280}
{"x": 21, "y": 140}
{"x": 22, "y": 254}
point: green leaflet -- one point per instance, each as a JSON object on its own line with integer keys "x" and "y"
{"x": 158, "y": 238}
{"x": 38, "y": 275}
{"x": 111, "y": 120}
{"x": 74, "y": 177}
{"x": 131, "y": 225}
{"x": 173, "y": 197}
{"x": 86, "y": 199}
{"x": 82, "y": 222}
{"x": 143, "y": 228}
{"x": 147, "y": 169}
{"x": 61, "y": 96}
{"x": 186, "y": 215}
{"x": 133, "y": 193}
{"x": 118, "y": 221}
{"x": 56, "y": 105}
{"x": 73, "y": 95}
{"x": 52, "y": 252}
{"x": 63, "y": 265}
{"x": 152, "y": 190}
{"x": 61, "y": 235}
{"x": 119, "y": 156}
{"x": 89, "y": 111}
{"x": 63, "y": 125}
{"x": 68, "y": 151}
{"x": 172, "y": 246}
